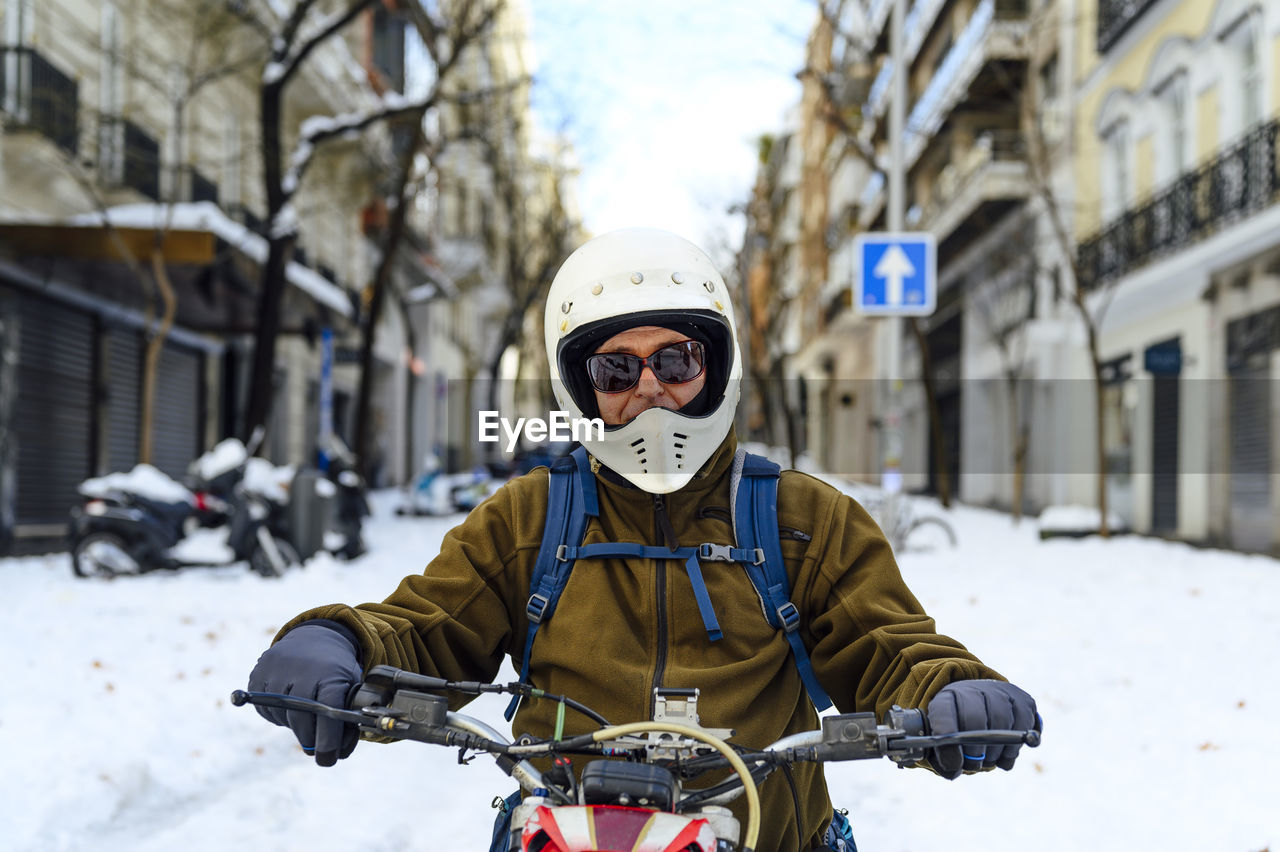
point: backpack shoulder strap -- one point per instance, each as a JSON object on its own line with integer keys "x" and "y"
{"x": 753, "y": 489}
{"x": 571, "y": 502}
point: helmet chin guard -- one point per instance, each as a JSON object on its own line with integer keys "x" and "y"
{"x": 642, "y": 277}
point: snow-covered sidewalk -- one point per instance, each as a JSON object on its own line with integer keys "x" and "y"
{"x": 1152, "y": 663}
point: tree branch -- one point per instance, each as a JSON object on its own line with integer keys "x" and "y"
{"x": 293, "y": 59}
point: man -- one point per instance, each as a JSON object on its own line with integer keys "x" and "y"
{"x": 640, "y": 333}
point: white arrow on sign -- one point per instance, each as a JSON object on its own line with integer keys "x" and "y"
{"x": 894, "y": 266}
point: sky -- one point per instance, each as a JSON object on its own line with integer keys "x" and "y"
{"x": 664, "y": 101}
{"x": 1148, "y": 660}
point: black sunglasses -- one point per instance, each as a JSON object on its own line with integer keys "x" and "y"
{"x": 674, "y": 364}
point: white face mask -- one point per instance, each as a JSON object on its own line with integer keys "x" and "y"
{"x": 643, "y": 277}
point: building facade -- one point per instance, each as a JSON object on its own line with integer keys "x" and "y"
{"x": 1082, "y": 164}
{"x": 1179, "y": 250}
{"x": 130, "y": 151}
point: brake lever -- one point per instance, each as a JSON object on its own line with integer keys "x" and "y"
{"x": 241, "y": 697}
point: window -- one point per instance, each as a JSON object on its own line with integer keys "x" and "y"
{"x": 19, "y": 26}
{"x": 19, "y": 22}
{"x": 1242, "y": 42}
{"x": 1173, "y": 157}
{"x": 112, "y": 86}
{"x": 1251, "y": 76}
{"x": 1115, "y": 174}
{"x": 1049, "y": 79}
{"x": 231, "y": 173}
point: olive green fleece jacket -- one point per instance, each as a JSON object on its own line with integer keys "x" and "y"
{"x": 624, "y": 626}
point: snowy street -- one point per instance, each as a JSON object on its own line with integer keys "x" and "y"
{"x": 1152, "y": 663}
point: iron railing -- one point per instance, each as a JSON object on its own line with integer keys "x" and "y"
{"x": 1115, "y": 17}
{"x": 1243, "y": 179}
{"x": 199, "y": 187}
{"x": 37, "y": 95}
{"x": 141, "y": 161}
{"x": 128, "y": 156}
{"x": 991, "y": 147}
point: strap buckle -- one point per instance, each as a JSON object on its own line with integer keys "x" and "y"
{"x": 708, "y": 552}
{"x": 561, "y": 553}
{"x": 790, "y": 616}
{"x": 536, "y": 606}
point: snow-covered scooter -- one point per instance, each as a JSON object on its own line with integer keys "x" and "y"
{"x": 144, "y": 521}
{"x": 639, "y": 801}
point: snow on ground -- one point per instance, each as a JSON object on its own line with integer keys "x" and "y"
{"x": 1152, "y": 663}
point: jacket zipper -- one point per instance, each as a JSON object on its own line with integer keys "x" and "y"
{"x": 725, "y": 515}
{"x": 660, "y": 590}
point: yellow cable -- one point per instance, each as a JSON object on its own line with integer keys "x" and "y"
{"x": 748, "y": 784}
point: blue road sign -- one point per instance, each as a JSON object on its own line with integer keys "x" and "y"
{"x": 896, "y": 274}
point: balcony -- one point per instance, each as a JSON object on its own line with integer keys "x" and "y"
{"x": 128, "y": 157}
{"x": 36, "y": 95}
{"x": 991, "y": 177}
{"x": 878, "y": 15}
{"x": 996, "y": 30}
{"x": 1115, "y": 17}
{"x": 878, "y": 97}
{"x": 1243, "y": 179}
{"x": 988, "y": 38}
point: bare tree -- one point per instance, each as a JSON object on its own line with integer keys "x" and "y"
{"x": 446, "y": 41}
{"x": 765, "y": 307}
{"x": 843, "y": 84}
{"x": 1090, "y": 303}
{"x": 1002, "y": 294}
{"x": 537, "y": 236}
{"x": 1091, "y": 315}
{"x": 292, "y": 41}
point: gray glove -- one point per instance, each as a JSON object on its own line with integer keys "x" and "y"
{"x": 317, "y": 660}
{"x": 975, "y": 705}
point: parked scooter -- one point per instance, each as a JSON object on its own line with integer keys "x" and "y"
{"x": 434, "y": 492}
{"x": 346, "y": 539}
{"x": 143, "y": 521}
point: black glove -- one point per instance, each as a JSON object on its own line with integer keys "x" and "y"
{"x": 316, "y": 659}
{"x": 975, "y": 705}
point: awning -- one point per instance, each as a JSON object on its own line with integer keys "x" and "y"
{"x": 191, "y": 234}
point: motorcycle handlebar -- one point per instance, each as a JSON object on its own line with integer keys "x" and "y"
{"x": 397, "y": 703}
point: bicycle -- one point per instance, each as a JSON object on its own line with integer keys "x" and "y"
{"x": 906, "y": 531}
{"x": 642, "y": 795}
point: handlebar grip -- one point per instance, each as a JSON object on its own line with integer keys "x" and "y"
{"x": 402, "y": 679}
{"x": 912, "y": 722}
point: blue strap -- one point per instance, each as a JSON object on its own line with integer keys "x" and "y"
{"x": 586, "y": 483}
{"x": 644, "y": 551}
{"x": 572, "y": 501}
{"x": 572, "y": 492}
{"x": 694, "y": 570}
{"x": 755, "y": 519}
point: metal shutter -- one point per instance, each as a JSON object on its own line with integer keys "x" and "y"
{"x": 123, "y": 368}
{"x": 1251, "y": 458}
{"x": 1164, "y": 454}
{"x": 176, "y": 424}
{"x": 53, "y": 428}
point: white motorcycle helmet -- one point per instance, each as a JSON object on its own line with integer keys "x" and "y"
{"x": 645, "y": 277}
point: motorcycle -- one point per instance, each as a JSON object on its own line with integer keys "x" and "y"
{"x": 434, "y": 492}
{"x": 639, "y": 803}
{"x": 141, "y": 522}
